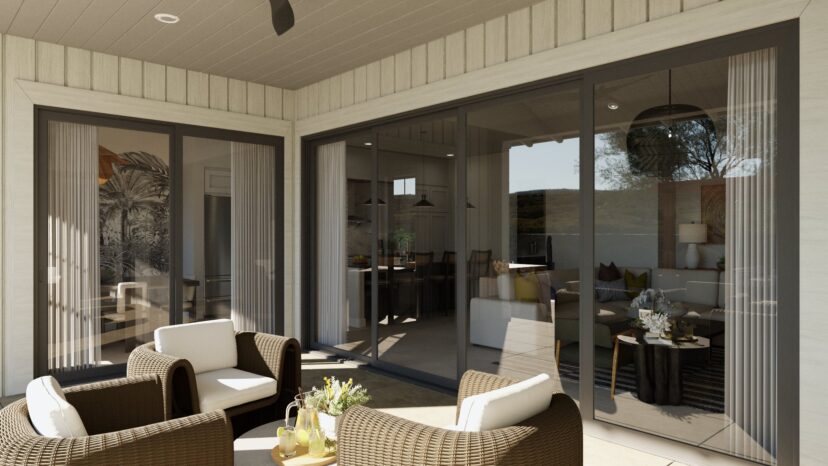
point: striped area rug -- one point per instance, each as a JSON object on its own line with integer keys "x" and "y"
{"x": 703, "y": 382}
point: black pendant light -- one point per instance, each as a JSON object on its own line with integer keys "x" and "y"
{"x": 370, "y": 201}
{"x": 423, "y": 202}
{"x": 655, "y": 145}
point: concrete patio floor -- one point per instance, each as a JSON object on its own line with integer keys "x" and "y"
{"x": 433, "y": 406}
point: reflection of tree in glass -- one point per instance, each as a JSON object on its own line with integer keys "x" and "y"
{"x": 134, "y": 217}
{"x": 682, "y": 148}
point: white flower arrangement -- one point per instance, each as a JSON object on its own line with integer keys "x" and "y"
{"x": 656, "y": 322}
{"x": 337, "y": 396}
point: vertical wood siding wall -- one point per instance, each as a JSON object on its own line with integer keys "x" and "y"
{"x": 83, "y": 69}
{"x": 542, "y": 26}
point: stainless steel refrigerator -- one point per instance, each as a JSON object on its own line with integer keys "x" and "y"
{"x": 217, "y": 268}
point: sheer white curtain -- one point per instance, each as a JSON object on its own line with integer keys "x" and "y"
{"x": 74, "y": 283}
{"x": 750, "y": 338}
{"x": 253, "y": 236}
{"x": 331, "y": 263}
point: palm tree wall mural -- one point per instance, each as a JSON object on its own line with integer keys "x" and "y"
{"x": 134, "y": 218}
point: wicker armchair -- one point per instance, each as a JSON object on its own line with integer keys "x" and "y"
{"x": 371, "y": 438}
{"x": 260, "y": 353}
{"x": 126, "y": 425}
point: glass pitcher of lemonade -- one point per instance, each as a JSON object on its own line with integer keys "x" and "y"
{"x": 307, "y": 417}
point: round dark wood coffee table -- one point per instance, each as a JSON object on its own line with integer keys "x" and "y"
{"x": 658, "y": 366}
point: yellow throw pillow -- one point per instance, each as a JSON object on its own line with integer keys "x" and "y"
{"x": 635, "y": 285}
{"x": 526, "y": 288}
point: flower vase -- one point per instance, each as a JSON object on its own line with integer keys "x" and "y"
{"x": 329, "y": 424}
{"x": 505, "y": 288}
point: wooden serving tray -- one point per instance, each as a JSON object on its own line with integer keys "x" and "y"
{"x": 302, "y": 458}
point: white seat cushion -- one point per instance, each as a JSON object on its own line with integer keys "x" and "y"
{"x": 225, "y": 388}
{"x": 50, "y": 413}
{"x": 506, "y": 406}
{"x": 208, "y": 345}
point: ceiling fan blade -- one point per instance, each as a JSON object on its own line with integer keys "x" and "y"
{"x": 282, "y": 15}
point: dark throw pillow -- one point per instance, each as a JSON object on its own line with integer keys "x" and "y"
{"x": 635, "y": 285}
{"x": 609, "y": 273}
{"x": 613, "y": 290}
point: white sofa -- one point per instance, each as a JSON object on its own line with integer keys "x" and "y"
{"x": 490, "y": 317}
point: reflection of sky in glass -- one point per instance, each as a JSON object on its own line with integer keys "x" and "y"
{"x": 545, "y": 165}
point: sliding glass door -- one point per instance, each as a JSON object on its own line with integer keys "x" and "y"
{"x": 523, "y": 235}
{"x": 229, "y": 229}
{"x": 417, "y": 258}
{"x": 127, "y": 241}
{"x": 630, "y": 231}
{"x": 344, "y": 256}
{"x": 106, "y": 232}
{"x": 686, "y": 253}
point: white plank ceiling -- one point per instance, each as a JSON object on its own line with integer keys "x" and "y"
{"x": 235, "y": 38}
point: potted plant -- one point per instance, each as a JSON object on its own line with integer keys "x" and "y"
{"x": 334, "y": 399}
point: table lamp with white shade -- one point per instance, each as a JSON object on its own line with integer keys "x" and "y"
{"x": 692, "y": 234}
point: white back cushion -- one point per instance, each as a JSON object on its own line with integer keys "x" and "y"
{"x": 506, "y": 406}
{"x": 50, "y": 413}
{"x": 208, "y": 345}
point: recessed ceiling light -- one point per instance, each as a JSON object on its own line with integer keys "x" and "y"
{"x": 613, "y": 105}
{"x": 167, "y": 18}
{"x": 368, "y": 144}
{"x": 449, "y": 155}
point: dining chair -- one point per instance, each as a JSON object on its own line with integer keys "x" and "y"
{"x": 480, "y": 263}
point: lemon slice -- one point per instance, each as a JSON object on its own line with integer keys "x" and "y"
{"x": 280, "y": 430}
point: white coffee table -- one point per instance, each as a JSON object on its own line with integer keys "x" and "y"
{"x": 254, "y": 446}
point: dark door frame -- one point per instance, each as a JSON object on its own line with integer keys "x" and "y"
{"x": 785, "y": 37}
{"x": 176, "y": 133}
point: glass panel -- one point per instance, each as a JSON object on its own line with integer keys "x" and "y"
{"x": 108, "y": 243}
{"x": 416, "y": 262}
{"x": 344, "y": 231}
{"x": 228, "y": 246}
{"x": 523, "y": 220}
{"x": 685, "y": 246}
{"x": 206, "y": 184}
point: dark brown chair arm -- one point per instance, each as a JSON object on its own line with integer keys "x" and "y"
{"x": 271, "y": 356}
{"x": 475, "y": 383}
{"x": 177, "y": 378}
{"x": 371, "y": 438}
{"x": 118, "y": 404}
{"x": 200, "y": 439}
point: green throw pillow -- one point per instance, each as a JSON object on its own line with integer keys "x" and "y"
{"x": 526, "y": 288}
{"x": 635, "y": 285}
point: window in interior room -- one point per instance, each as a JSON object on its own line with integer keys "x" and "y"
{"x": 229, "y": 232}
{"x": 685, "y": 254}
{"x": 523, "y": 233}
{"x": 106, "y": 207}
{"x": 344, "y": 169}
{"x": 417, "y": 256}
{"x": 405, "y": 187}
